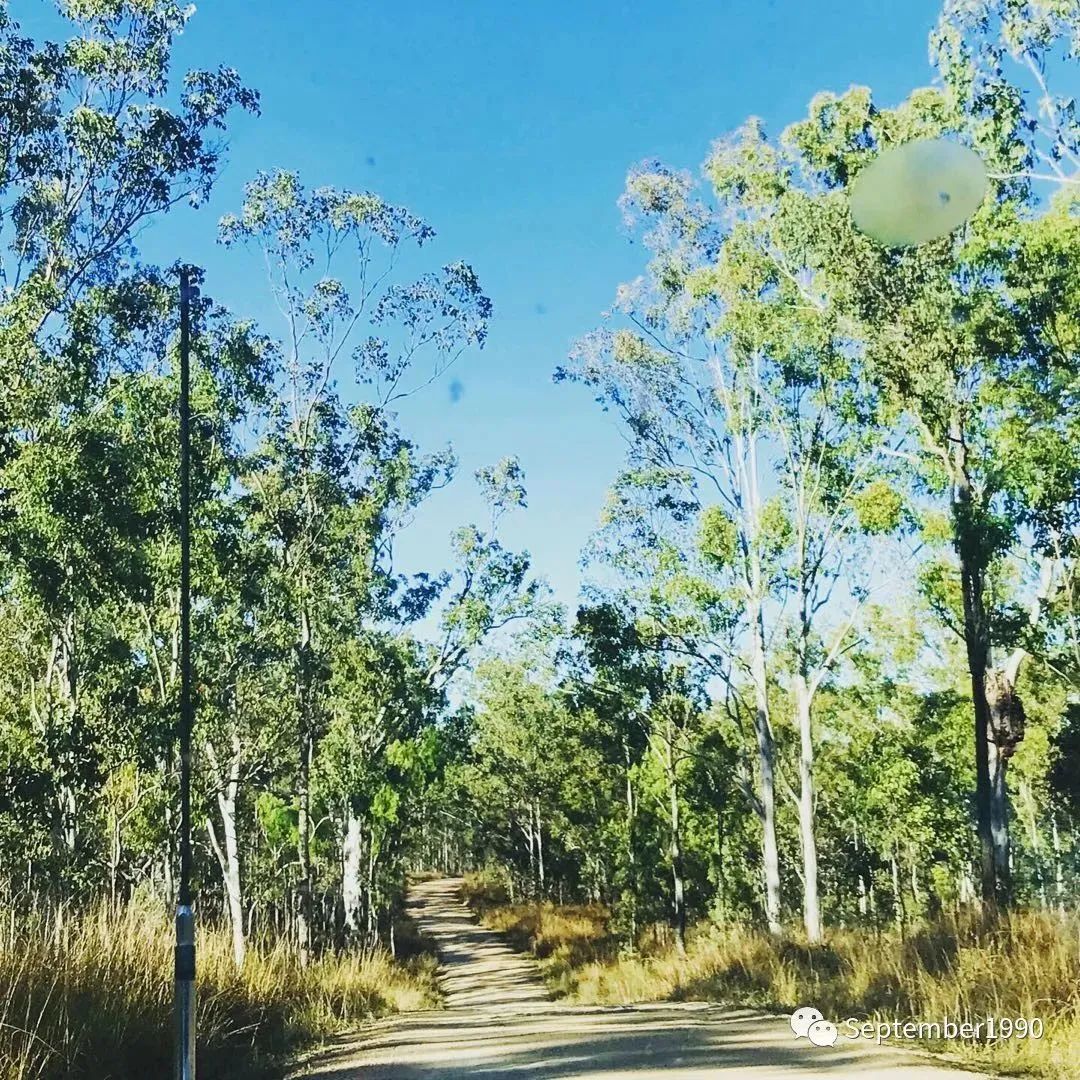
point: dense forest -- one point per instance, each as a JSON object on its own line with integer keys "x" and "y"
{"x": 825, "y": 669}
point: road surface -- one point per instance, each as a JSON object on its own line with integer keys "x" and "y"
{"x": 499, "y": 1023}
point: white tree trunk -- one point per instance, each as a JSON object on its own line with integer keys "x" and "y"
{"x": 540, "y": 850}
{"x": 898, "y": 898}
{"x": 229, "y": 856}
{"x": 232, "y": 877}
{"x": 811, "y": 905}
{"x": 1059, "y": 877}
{"x": 352, "y": 850}
{"x": 69, "y": 693}
{"x": 531, "y": 840}
{"x": 678, "y": 884}
{"x": 999, "y": 810}
{"x": 305, "y": 916}
{"x": 863, "y": 904}
{"x": 767, "y": 778}
{"x": 370, "y": 899}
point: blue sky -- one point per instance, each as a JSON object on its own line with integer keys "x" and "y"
{"x": 510, "y": 128}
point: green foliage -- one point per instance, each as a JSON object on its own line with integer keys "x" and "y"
{"x": 879, "y": 508}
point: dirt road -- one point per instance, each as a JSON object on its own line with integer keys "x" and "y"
{"x": 499, "y": 1024}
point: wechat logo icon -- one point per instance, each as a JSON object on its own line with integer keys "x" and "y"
{"x": 810, "y": 1024}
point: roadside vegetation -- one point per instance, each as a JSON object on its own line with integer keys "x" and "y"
{"x": 90, "y": 998}
{"x": 317, "y": 699}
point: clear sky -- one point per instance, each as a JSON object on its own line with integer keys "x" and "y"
{"x": 510, "y": 128}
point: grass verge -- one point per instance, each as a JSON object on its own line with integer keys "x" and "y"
{"x": 93, "y": 999}
{"x": 1026, "y": 966}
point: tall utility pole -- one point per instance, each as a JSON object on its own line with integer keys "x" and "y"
{"x": 185, "y": 919}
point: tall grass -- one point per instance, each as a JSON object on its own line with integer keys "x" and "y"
{"x": 1027, "y": 965}
{"x": 92, "y": 998}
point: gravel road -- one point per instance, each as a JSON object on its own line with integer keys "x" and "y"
{"x": 499, "y": 1024}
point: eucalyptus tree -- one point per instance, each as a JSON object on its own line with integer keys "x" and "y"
{"x": 960, "y": 335}
{"x": 242, "y": 724}
{"x": 674, "y": 728}
{"x": 661, "y": 374}
{"x": 375, "y": 760}
{"x": 617, "y": 677}
{"x": 92, "y": 149}
{"x": 489, "y": 588}
{"x": 333, "y": 478}
{"x": 1009, "y": 59}
{"x": 520, "y": 756}
{"x": 753, "y": 425}
{"x": 537, "y": 779}
{"x": 1012, "y": 59}
{"x": 829, "y": 436}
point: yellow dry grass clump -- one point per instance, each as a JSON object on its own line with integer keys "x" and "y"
{"x": 1027, "y": 965}
{"x": 92, "y": 998}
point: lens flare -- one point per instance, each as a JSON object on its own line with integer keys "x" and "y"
{"x": 918, "y": 192}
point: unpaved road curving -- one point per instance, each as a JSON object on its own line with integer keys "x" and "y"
{"x": 499, "y": 1024}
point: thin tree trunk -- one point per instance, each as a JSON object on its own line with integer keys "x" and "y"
{"x": 1036, "y": 844}
{"x": 67, "y": 800}
{"x": 811, "y": 904}
{"x": 530, "y": 839}
{"x": 232, "y": 854}
{"x": 999, "y": 818}
{"x": 898, "y": 896}
{"x": 767, "y": 778}
{"x": 540, "y": 850}
{"x": 115, "y": 853}
{"x": 352, "y": 858}
{"x": 305, "y": 912}
{"x": 721, "y": 878}
{"x": 229, "y": 855}
{"x": 738, "y": 402}
{"x": 170, "y": 853}
{"x": 631, "y": 858}
{"x": 1059, "y": 876}
{"x": 976, "y": 640}
{"x": 859, "y": 871}
{"x": 677, "y": 869}
{"x": 371, "y": 900}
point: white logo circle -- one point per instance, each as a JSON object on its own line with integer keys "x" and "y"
{"x": 822, "y": 1033}
{"x": 802, "y": 1019}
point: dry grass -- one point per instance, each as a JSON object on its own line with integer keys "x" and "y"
{"x": 1027, "y": 966}
{"x": 414, "y": 877}
{"x": 569, "y": 936}
{"x": 94, "y": 998}
{"x": 483, "y": 890}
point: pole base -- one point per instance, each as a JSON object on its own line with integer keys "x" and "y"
{"x": 185, "y": 994}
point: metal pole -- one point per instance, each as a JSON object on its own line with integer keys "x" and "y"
{"x": 185, "y": 919}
